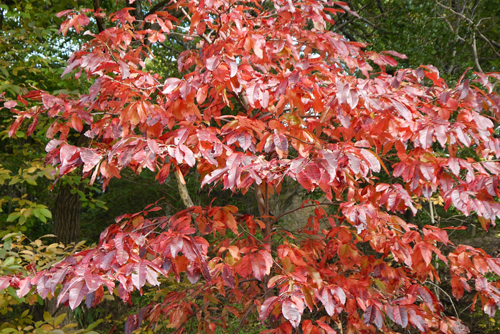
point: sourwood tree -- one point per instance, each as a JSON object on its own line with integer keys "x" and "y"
{"x": 270, "y": 93}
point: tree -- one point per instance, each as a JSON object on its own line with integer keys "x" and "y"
{"x": 34, "y": 54}
{"x": 271, "y": 93}
{"x": 451, "y": 35}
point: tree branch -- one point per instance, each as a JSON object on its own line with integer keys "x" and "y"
{"x": 237, "y": 330}
{"x": 301, "y": 207}
{"x": 474, "y": 50}
{"x": 178, "y": 330}
{"x": 183, "y": 191}
{"x": 474, "y": 26}
{"x": 101, "y": 26}
{"x": 158, "y": 6}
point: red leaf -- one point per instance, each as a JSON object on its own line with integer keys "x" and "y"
{"x": 139, "y": 275}
{"x": 454, "y": 166}
{"x": 212, "y": 63}
{"x": 163, "y": 173}
{"x": 426, "y": 252}
{"x": 4, "y": 282}
{"x": 92, "y": 281}
{"x": 417, "y": 320}
{"x": 152, "y": 275}
{"x": 231, "y": 222}
{"x": 89, "y": 158}
{"x": 326, "y": 299}
{"x": 176, "y": 244}
{"x": 228, "y": 276}
{"x": 280, "y": 141}
{"x": 403, "y": 111}
{"x": 170, "y": 84}
{"x": 494, "y": 266}
{"x": 131, "y": 324}
{"x": 427, "y": 297}
{"x": 396, "y": 54}
{"x": 124, "y": 69}
{"x": 24, "y": 287}
{"x": 10, "y": 104}
{"x": 76, "y": 293}
{"x": 399, "y": 316}
{"x": 326, "y": 327}
{"x": 15, "y": 125}
{"x": 372, "y": 159}
{"x": 259, "y": 267}
{"x": 32, "y": 126}
{"x": 373, "y": 315}
{"x": 305, "y": 181}
{"x": 64, "y": 13}
{"x": 121, "y": 254}
{"x": 193, "y": 274}
{"x": 267, "y": 307}
{"x": 291, "y": 312}
{"x": 457, "y": 288}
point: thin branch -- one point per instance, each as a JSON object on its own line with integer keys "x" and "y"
{"x": 158, "y": 6}
{"x": 189, "y": 18}
{"x": 302, "y": 141}
{"x": 451, "y": 28}
{"x": 304, "y": 206}
{"x": 451, "y": 300}
{"x": 474, "y": 49}
{"x": 379, "y": 5}
{"x": 475, "y": 26}
{"x": 237, "y": 330}
{"x": 431, "y": 209}
{"x": 178, "y": 330}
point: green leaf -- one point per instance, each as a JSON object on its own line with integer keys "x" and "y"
{"x": 10, "y": 260}
{"x": 94, "y": 325}
{"x": 4, "y": 71}
{"x": 13, "y": 293}
{"x": 13, "y": 216}
{"x": 46, "y": 213}
{"x": 16, "y": 178}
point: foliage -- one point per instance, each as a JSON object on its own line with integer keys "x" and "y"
{"x": 19, "y": 256}
{"x": 451, "y": 35}
{"x": 49, "y": 325}
{"x": 270, "y": 94}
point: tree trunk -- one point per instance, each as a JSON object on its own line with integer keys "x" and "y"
{"x": 67, "y": 214}
{"x": 263, "y": 205}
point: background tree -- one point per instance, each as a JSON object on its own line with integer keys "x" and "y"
{"x": 451, "y": 35}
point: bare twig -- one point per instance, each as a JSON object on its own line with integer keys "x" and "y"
{"x": 304, "y": 206}
{"x": 449, "y": 297}
{"x": 237, "y": 330}
{"x": 473, "y": 25}
{"x": 178, "y": 330}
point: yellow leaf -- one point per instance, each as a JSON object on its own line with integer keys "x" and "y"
{"x": 59, "y": 319}
{"x": 47, "y": 316}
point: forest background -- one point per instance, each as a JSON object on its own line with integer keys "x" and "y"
{"x": 451, "y": 35}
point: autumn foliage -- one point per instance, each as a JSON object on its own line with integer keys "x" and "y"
{"x": 270, "y": 93}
